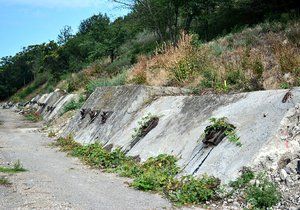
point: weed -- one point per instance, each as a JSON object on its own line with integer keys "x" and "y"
{"x": 242, "y": 181}
{"x": 17, "y": 167}
{"x": 264, "y": 194}
{"x": 51, "y": 134}
{"x": 157, "y": 174}
{"x": 233, "y": 138}
{"x": 209, "y": 78}
{"x": 221, "y": 124}
{"x": 284, "y": 85}
{"x": 120, "y": 79}
{"x": 184, "y": 71}
{"x": 4, "y": 181}
{"x": 191, "y": 190}
{"x": 73, "y": 105}
{"x": 66, "y": 144}
{"x": 143, "y": 124}
{"x": 33, "y": 117}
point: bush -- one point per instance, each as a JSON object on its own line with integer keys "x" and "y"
{"x": 157, "y": 174}
{"x": 264, "y": 194}
{"x": 242, "y": 181}
{"x": 191, "y": 190}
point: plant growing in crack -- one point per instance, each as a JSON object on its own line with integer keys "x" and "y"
{"x": 145, "y": 125}
{"x": 218, "y": 130}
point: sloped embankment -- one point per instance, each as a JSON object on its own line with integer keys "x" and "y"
{"x": 174, "y": 123}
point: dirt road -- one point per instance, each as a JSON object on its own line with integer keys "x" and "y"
{"x": 55, "y": 181}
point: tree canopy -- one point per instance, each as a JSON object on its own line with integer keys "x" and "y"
{"x": 124, "y": 38}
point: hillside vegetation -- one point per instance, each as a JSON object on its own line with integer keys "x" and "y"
{"x": 232, "y": 45}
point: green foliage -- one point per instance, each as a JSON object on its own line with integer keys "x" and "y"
{"x": 73, "y": 105}
{"x": 242, "y": 181}
{"x": 221, "y": 124}
{"x": 184, "y": 70}
{"x": 284, "y": 85}
{"x": 261, "y": 194}
{"x": 141, "y": 124}
{"x": 210, "y": 79}
{"x": 157, "y": 174}
{"x": 264, "y": 194}
{"x": 235, "y": 77}
{"x": 191, "y": 190}
{"x": 33, "y": 116}
{"x": 120, "y": 79}
{"x": 4, "y": 181}
{"x": 17, "y": 167}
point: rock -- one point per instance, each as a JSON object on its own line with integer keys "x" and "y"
{"x": 283, "y": 174}
{"x": 252, "y": 182}
{"x": 289, "y": 182}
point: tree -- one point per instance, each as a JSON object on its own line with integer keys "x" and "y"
{"x": 64, "y": 35}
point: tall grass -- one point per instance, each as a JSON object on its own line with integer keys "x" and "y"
{"x": 119, "y": 79}
{"x": 256, "y": 58}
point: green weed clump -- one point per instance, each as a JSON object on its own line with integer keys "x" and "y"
{"x": 191, "y": 190}
{"x": 264, "y": 194}
{"x": 157, "y": 174}
{"x": 73, "y": 105}
{"x": 142, "y": 124}
{"x": 33, "y": 117}
{"x": 120, "y": 79}
{"x": 221, "y": 124}
{"x": 4, "y": 181}
{"x": 17, "y": 167}
{"x": 242, "y": 181}
{"x": 261, "y": 194}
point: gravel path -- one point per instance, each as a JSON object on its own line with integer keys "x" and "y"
{"x": 55, "y": 181}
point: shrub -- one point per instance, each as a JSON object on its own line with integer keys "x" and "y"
{"x": 157, "y": 174}
{"x": 143, "y": 124}
{"x": 242, "y": 181}
{"x": 4, "y": 181}
{"x": 264, "y": 194}
{"x": 191, "y": 190}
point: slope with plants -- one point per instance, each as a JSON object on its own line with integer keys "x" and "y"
{"x": 102, "y": 51}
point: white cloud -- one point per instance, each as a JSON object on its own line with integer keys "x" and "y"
{"x": 61, "y": 3}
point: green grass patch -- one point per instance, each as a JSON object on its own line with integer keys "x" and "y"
{"x": 157, "y": 174}
{"x": 4, "y": 181}
{"x": 261, "y": 194}
{"x": 33, "y": 117}
{"x": 119, "y": 79}
{"x": 73, "y": 105}
{"x": 17, "y": 168}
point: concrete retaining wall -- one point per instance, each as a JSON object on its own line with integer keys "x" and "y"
{"x": 258, "y": 117}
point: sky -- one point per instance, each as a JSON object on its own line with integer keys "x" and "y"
{"x": 28, "y": 22}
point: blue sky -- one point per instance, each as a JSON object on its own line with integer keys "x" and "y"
{"x": 27, "y": 22}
